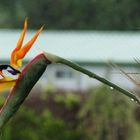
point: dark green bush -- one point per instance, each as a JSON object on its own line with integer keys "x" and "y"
{"x": 101, "y": 114}
{"x": 30, "y": 125}
{"x": 107, "y": 115}
{"x": 72, "y": 14}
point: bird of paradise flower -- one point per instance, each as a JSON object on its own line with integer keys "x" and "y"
{"x": 23, "y": 81}
{"x": 10, "y": 73}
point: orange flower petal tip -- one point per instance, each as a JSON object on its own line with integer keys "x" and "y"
{"x": 19, "y": 52}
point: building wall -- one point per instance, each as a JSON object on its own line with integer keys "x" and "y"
{"x": 63, "y": 77}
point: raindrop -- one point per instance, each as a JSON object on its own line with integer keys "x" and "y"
{"x": 132, "y": 99}
{"x": 111, "y": 88}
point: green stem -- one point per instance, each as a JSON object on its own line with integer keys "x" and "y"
{"x": 57, "y": 59}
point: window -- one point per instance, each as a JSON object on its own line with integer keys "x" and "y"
{"x": 64, "y": 74}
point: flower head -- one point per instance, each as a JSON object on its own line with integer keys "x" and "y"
{"x": 10, "y": 73}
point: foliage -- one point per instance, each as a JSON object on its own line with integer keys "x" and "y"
{"x": 30, "y": 125}
{"x": 72, "y": 14}
{"x": 95, "y": 115}
{"x": 107, "y": 117}
{"x": 69, "y": 99}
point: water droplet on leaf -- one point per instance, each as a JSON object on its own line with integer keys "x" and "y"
{"x": 111, "y": 88}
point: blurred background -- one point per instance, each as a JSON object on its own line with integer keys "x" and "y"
{"x": 66, "y": 105}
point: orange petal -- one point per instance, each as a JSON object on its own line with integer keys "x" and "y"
{"x": 19, "y": 44}
{"x": 23, "y": 51}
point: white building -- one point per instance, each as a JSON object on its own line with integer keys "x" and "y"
{"x": 92, "y": 50}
